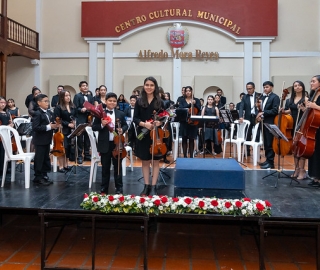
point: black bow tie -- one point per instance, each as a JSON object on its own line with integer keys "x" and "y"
{"x": 85, "y": 94}
{"x": 250, "y": 95}
{"x": 110, "y": 112}
{"x": 132, "y": 108}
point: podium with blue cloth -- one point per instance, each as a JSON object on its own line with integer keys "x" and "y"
{"x": 208, "y": 177}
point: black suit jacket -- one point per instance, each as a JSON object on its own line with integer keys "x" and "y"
{"x": 55, "y": 100}
{"x": 127, "y": 112}
{"x": 39, "y": 125}
{"x": 103, "y": 138}
{"x": 78, "y": 101}
{"x": 271, "y": 108}
{"x": 245, "y": 106}
{"x": 223, "y": 100}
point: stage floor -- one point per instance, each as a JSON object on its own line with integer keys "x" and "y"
{"x": 193, "y": 244}
{"x": 290, "y": 200}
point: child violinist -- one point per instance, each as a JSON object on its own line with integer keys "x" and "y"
{"x": 149, "y": 102}
{"x": 106, "y": 142}
{"x": 12, "y": 109}
{"x": 43, "y": 124}
{"x": 66, "y": 111}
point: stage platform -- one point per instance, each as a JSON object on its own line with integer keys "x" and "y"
{"x": 293, "y": 204}
{"x": 289, "y": 200}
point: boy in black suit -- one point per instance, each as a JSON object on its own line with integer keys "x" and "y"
{"x": 106, "y": 143}
{"x": 270, "y": 109}
{"x": 128, "y": 112}
{"x": 43, "y": 126}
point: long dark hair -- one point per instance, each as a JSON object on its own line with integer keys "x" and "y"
{"x": 312, "y": 92}
{"x": 62, "y": 102}
{"x": 213, "y": 103}
{"x": 143, "y": 100}
{"x": 293, "y": 94}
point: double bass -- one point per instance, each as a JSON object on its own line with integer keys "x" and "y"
{"x": 285, "y": 124}
{"x": 304, "y": 141}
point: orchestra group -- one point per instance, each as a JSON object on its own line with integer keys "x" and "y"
{"x": 145, "y": 119}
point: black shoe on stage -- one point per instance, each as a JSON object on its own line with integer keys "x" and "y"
{"x": 104, "y": 190}
{"x": 146, "y": 190}
{"x": 263, "y": 163}
{"x": 153, "y": 190}
{"x": 119, "y": 191}
{"x": 267, "y": 166}
{"x": 80, "y": 161}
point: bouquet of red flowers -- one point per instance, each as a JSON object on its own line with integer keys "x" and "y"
{"x": 100, "y": 113}
{"x": 162, "y": 116}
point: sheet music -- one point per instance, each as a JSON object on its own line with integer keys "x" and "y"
{"x": 275, "y": 131}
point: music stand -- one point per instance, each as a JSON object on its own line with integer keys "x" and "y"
{"x": 77, "y": 132}
{"x": 276, "y": 132}
{"x": 203, "y": 119}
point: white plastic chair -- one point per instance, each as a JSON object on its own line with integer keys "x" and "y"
{"x": 95, "y": 158}
{"x": 241, "y": 137}
{"x": 17, "y": 122}
{"x": 175, "y": 126}
{"x": 255, "y": 145}
{"x": 5, "y": 134}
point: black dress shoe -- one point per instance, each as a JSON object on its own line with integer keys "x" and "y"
{"x": 45, "y": 182}
{"x": 267, "y": 166}
{"x": 62, "y": 170}
{"x": 119, "y": 190}
{"x": 263, "y": 163}
{"x": 80, "y": 161}
{"x": 46, "y": 177}
{"x": 104, "y": 190}
{"x": 68, "y": 168}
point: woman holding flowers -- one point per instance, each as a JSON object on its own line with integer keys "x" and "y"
{"x": 147, "y": 105}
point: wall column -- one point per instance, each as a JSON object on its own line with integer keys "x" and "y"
{"x": 247, "y": 63}
{"x": 176, "y": 83}
{"x": 93, "y": 62}
{"x": 265, "y": 60}
{"x": 108, "y": 65}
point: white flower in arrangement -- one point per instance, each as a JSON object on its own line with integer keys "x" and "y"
{"x": 177, "y": 205}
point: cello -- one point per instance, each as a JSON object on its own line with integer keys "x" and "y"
{"x": 304, "y": 140}
{"x": 285, "y": 124}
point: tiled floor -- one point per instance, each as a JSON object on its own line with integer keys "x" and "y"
{"x": 189, "y": 245}
{"x": 172, "y": 246}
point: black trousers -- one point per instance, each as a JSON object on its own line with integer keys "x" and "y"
{"x": 83, "y": 142}
{"x": 267, "y": 143}
{"x": 106, "y": 159}
{"x": 42, "y": 164}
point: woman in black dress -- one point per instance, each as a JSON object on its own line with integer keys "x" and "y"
{"x": 295, "y": 107}
{"x": 188, "y": 130}
{"x": 313, "y": 163}
{"x": 66, "y": 111}
{"x": 210, "y": 134}
{"x": 149, "y": 102}
{"x": 102, "y": 96}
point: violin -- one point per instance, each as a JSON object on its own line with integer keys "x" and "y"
{"x": 304, "y": 140}
{"x": 119, "y": 151}
{"x": 192, "y": 111}
{"x": 58, "y": 139}
{"x": 285, "y": 124}
{"x": 158, "y": 147}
